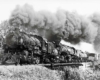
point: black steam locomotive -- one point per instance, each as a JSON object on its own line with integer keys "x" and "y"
{"x": 24, "y": 48}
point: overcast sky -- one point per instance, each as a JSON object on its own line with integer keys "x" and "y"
{"x": 82, "y": 7}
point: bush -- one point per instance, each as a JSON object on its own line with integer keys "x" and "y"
{"x": 78, "y": 74}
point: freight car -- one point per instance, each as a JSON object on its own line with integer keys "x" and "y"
{"x": 24, "y": 48}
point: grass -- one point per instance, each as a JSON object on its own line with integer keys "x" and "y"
{"x": 28, "y": 72}
{"x": 34, "y": 72}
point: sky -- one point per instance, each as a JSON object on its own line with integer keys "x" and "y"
{"x": 82, "y": 7}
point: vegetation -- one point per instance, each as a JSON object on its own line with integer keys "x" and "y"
{"x": 28, "y": 72}
{"x": 79, "y": 74}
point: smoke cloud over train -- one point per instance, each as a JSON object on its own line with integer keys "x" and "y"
{"x": 65, "y": 25}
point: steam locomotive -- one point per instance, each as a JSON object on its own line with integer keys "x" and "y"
{"x": 26, "y": 48}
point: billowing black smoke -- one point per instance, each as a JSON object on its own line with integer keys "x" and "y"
{"x": 54, "y": 26}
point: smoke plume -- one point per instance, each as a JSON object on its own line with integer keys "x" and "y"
{"x": 81, "y": 46}
{"x": 95, "y": 18}
{"x": 65, "y": 25}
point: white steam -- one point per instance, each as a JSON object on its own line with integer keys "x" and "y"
{"x": 81, "y": 46}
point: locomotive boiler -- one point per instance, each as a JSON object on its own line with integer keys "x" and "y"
{"x": 25, "y": 48}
